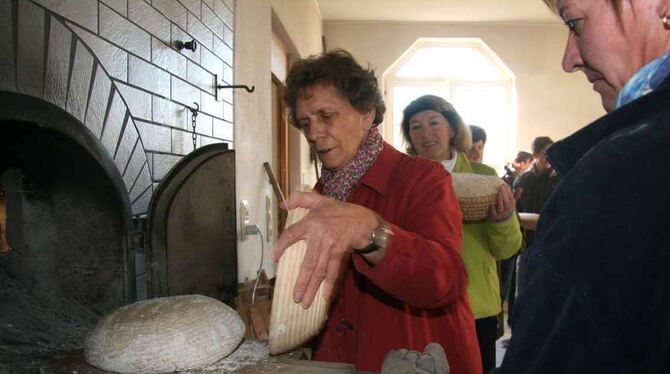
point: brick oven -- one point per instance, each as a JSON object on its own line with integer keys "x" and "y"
{"x": 105, "y": 172}
{"x": 67, "y": 227}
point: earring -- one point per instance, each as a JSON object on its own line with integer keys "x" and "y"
{"x": 666, "y": 21}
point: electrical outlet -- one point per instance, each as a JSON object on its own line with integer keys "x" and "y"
{"x": 244, "y": 219}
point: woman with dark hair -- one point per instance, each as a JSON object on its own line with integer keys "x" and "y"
{"x": 436, "y": 131}
{"x": 597, "y": 294}
{"x": 386, "y": 253}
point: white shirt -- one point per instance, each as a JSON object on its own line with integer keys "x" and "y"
{"x": 450, "y": 164}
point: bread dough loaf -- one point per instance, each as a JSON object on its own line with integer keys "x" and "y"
{"x": 164, "y": 335}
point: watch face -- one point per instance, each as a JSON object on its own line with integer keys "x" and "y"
{"x": 382, "y": 235}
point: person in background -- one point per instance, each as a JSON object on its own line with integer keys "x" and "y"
{"x": 534, "y": 189}
{"x": 597, "y": 293}
{"x": 434, "y": 130}
{"x": 383, "y": 232}
{"x": 508, "y": 267}
{"x": 516, "y": 168}
{"x": 476, "y": 151}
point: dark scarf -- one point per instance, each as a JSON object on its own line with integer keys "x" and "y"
{"x": 339, "y": 183}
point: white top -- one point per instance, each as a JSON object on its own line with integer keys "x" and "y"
{"x": 450, "y": 164}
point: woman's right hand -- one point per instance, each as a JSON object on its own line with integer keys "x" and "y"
{"x": 331, "y": 229}
{"x": 504, "y": 205}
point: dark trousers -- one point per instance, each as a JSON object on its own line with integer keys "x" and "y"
{"x": 486, "y": 336}
{"x": 508, "y": 283}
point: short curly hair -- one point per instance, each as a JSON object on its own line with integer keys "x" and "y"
{"x": 339, "y": 69}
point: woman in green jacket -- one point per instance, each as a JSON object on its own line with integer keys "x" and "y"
{"x": 434, "y": 130}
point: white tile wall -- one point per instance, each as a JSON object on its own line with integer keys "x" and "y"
{"x": 114, "y": 66}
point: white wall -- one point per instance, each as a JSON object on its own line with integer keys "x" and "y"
{"x": 550, "y": 102}
{"x": 302, "y": 21}
{"x": 299, "y": 25}
{"x": 254, "y": 143}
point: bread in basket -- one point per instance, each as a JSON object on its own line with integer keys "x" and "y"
{"x": 475, "y": 194}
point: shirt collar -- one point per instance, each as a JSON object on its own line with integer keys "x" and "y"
{"x": 645, "y": 80}
{"x": 451, "y": 164}
{"x": 379, "y": 176}
{"x": 463, "y": 164}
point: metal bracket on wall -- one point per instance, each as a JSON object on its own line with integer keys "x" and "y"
{"x": 218, "y": 86}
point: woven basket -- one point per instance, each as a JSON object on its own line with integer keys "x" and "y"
{"x": 475, "y": 194}
{"x": 290, "y": 324}
{"x": 476, "y": 208}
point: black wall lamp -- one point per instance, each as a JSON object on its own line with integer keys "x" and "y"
{"x": 192, "y": 45}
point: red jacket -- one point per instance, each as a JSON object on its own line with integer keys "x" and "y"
{"x": 416, "y": 295}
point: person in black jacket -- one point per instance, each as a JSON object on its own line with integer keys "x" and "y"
{"x": 518, "y": 167}
{"x": 597, "y": 294}
{"x": 508, "y": 267}
{"x": 534, "y": 189}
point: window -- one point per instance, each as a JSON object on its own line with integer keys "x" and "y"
{"x": 468, "y": 74}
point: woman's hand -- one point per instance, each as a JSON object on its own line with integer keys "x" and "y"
{"x": 505, "y": 204}
{"x": 331, "y": 229}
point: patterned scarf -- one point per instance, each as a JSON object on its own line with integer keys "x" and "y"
{"x": 339, "y": 184}
{"x": 647, "y": 79}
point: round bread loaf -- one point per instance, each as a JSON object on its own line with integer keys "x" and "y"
{"x": 290, "y": 324}
{"x": 164, "y": 335}
{"x": 475, "y": 194}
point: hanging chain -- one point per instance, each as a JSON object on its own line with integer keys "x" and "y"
{"x": 194, "y": 114}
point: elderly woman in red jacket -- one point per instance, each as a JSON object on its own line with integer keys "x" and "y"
{"x": 384, "y": 230}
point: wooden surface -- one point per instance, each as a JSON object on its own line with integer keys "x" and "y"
{"x": 250, "y": 358}
{"x": 298, "y": 367}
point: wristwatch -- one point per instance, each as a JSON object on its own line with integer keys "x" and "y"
{"x": 380, "y": 238}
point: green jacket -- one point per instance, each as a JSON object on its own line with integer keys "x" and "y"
{"x": 483, "y": 244}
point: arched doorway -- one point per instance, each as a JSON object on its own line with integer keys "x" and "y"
{"x": 465, "y": 72}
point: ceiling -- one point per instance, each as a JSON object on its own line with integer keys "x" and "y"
{"x": 498, "y": 11}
